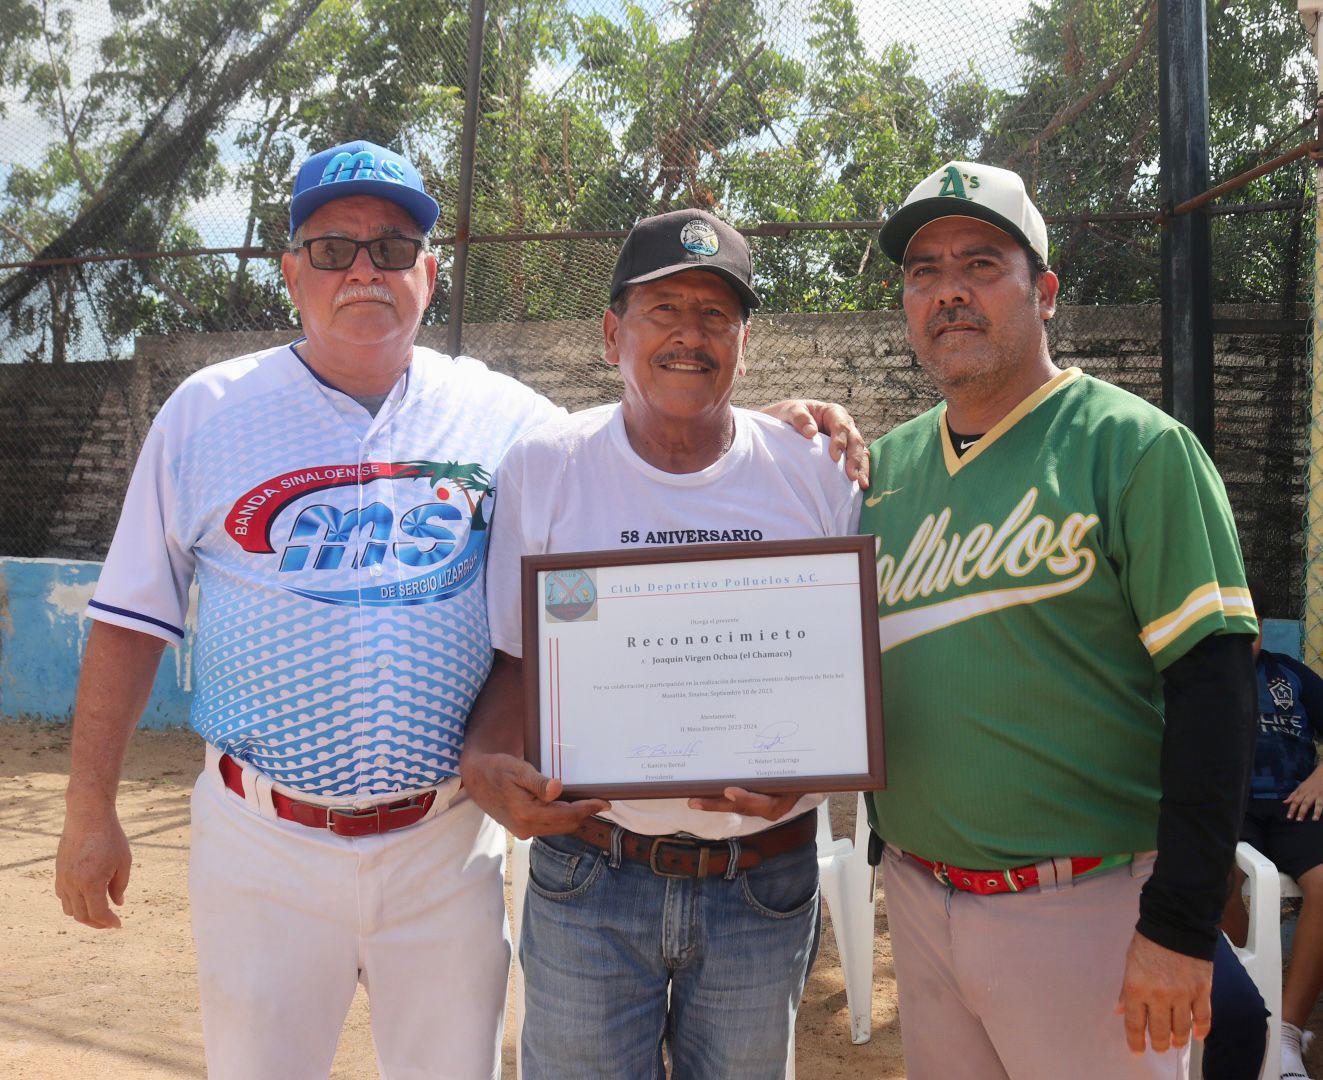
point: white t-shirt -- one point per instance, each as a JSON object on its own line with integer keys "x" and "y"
{"x": 575, "y": 484}
{"x": 342, "y": 630}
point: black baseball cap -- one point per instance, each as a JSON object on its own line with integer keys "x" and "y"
{"x": 667, "y": 244}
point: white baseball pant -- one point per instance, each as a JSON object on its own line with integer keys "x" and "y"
{"x": 288, "y": 920}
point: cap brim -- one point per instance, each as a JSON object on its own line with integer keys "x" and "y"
{"x": 896, "y": 234}
{"x": 418, "y": 204}
{"x": 746, "y": 294}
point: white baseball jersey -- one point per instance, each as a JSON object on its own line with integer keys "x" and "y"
{"x": 342, "y": 630}
{"x": 577, "y": 485}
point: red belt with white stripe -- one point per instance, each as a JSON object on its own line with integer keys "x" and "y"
{"x": 382, "y": 818}
{"x": 990, "y": 882}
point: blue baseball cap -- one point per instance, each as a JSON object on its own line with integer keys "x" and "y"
{"x": 360, "y": 168}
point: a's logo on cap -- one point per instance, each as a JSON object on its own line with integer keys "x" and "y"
{"x": 953, "y": 183}
{"x": 699, "y": 237}
{"x": 360, "y": 166}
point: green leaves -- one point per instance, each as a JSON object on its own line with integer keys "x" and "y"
{"x": 592, "y": 115}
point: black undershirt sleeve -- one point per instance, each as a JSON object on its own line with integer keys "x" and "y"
{"x": 1207, "y": 754}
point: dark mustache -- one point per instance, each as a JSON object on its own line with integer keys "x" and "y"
{"x": 954, "y": 315}
{"x": 693, "y": 356}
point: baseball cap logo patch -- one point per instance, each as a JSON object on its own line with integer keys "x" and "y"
{"x": 360, "y": 166}
{"x": 699, "y": 237}
{"x": 953, "y": 183}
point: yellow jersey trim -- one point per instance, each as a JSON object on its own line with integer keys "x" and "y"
{"x": 954, "y": 462}
{"x": 1202, "y": 602}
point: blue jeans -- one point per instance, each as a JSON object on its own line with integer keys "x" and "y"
{"x": 605, "y": 941}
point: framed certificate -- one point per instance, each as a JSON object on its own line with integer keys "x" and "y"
{"x": 680, "y": 671}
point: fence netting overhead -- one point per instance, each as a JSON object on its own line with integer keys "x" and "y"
{"x": 175, "y": 126}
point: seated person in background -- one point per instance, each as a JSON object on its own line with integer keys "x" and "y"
{"x": 1283, "y": 820}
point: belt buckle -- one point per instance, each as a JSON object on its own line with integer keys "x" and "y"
{"x": 333, "y": 812}
{"x": 704, "y": 851}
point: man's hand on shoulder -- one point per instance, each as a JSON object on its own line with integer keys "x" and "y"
{"x": 736, "y": 800}
{"x": 1164, "y": 993}
{"x": 519, "y": 797}
{"x": 93, "y": 860}
{"x": 1306, "y": 801}
{"x": 808, "y": 417}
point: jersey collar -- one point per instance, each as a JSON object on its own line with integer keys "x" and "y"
{"x": 954, "y": 462}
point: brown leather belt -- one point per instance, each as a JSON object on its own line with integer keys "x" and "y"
{"x": 384, "y": 817}
{"x": 688, "y": 857}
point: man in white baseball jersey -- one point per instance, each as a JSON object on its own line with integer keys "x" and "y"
{"x": 332, "y": 498}
{"x": 694, "y": 922}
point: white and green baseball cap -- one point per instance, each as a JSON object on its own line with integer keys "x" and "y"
{"x": 968, "y": 189}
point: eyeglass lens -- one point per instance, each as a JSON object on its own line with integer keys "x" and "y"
{"x": 386, "y": 252}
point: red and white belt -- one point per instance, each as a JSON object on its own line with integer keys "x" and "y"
{"x": 341, "y": 820}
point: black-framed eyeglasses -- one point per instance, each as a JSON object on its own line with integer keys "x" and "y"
{"x": 386, "y": 252}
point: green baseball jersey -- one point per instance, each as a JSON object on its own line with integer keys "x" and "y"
{"x": 1029, "y": 595}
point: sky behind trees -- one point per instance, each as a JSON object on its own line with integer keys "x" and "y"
{"x": 158, "y": 124}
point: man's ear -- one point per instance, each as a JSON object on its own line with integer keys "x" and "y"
{"x": 429, "y": 265}
{"x": 610, "y": 331}
{"x": 1048, "y": 286}
{"x": 741, "y": 368}
{"x": 289, "y": 270}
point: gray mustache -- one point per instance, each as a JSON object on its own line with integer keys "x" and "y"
{"x": 364, "y": 292}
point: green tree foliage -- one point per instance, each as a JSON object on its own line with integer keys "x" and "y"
{"x": 590, "y": 116}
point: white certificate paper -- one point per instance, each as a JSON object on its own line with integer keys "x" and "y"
{"x": 682, "y": 677}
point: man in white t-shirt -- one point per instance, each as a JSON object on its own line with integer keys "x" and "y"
{"x": 710, "y": 954}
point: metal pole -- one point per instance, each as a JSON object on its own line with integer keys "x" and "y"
{"x": 464, "y": 211}
{"x": 1187, "y": 278}
{"x": 1313, "y": 601}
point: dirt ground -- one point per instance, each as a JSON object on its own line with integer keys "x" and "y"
{"x": 79, "y": 1002}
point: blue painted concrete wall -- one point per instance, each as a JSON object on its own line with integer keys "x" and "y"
{"x": 43, "y": 629}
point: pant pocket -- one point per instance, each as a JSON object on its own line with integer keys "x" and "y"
{"x": 557, "y": 874}
{"x": 785, "y": 886}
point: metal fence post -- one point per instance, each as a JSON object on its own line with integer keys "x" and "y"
{"x": 1187, "y": 278}
{"x": 464, "y": 211}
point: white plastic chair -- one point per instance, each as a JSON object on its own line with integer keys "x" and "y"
{"x": 1262, "y": 954}
{"x": 847, "y": 890}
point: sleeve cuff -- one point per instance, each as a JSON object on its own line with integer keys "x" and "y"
{"x": 134, "y": 620}
{"x": 1180, "y": 939}
{"x": 508, "y": 646}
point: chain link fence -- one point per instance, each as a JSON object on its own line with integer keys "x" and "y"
{"x": 150, "y": 146}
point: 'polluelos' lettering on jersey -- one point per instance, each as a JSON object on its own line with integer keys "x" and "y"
{"x": 933, "y": 562}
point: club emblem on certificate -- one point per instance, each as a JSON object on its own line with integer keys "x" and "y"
{"x": 570, "y": 595}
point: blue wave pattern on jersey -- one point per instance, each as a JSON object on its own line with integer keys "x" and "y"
{"x": 333, "y": 696}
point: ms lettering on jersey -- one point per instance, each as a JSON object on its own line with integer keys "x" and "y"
{"x": 421, "y": 545}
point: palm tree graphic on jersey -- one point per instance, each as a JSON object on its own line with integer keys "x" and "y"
{"x": 467, "y": 478}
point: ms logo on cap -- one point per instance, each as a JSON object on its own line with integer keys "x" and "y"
{"x": 699, "y": 237}
{"x": 953, "y": 183}
{"x": 360, "y": 166}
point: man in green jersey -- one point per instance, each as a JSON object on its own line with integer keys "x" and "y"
{"x": 1069, "y": 688}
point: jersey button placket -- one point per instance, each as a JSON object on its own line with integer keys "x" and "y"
{"x": 366, "y": 670}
